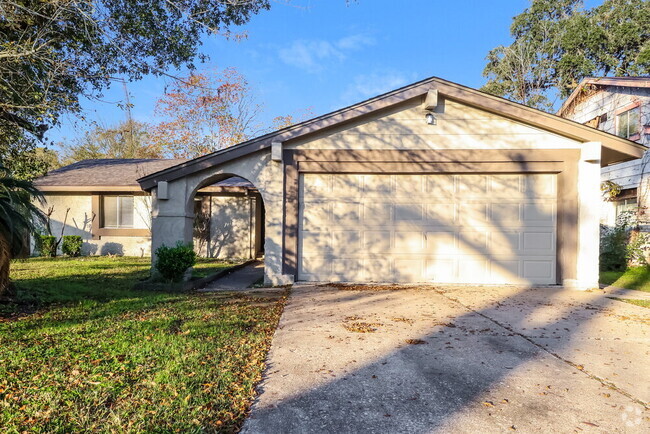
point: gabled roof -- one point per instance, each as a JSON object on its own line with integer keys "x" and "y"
{"x": 114, "y": 174}
{"x": 600, "y": 82}
{"x": 615, "y": 149}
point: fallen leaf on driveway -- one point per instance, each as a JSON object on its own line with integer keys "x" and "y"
{"x": 589, "y": 423}
{"x": 416, "y": 342}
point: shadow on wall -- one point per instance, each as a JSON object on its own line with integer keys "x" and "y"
{"x": 223, "y": 236}
{"x": 112, "y": 249}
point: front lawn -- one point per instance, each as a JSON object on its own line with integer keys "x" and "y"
{"x": 633, "y": 278}
{"x": 82, "y": 351}
{"x": 642, "y": 303}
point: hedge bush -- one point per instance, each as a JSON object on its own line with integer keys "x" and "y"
{"x": 71, "y": 245}
{"x": 172, "y": 262}
{"x": 47, "y": 245}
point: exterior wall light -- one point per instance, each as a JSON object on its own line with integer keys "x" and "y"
{"x": 431, "y": 119}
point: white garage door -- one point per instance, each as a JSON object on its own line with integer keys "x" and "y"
{"x": 428, "y": 228}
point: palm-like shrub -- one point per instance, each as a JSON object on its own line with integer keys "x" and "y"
{"x": 18, "y": 216}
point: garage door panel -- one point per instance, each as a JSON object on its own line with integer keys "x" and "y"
{"x": 408, "y": 270}
{"x": 506, "y": 186}
{"x": 346, "y": 213}
{"x": 538, "y": 269}
{"x": 407, "y": 212}
{"x": 408, "y": 185}
{"x": 441, "y": 214}
{"x": 316, "y": 185}
{"x": 377, "y": 241}
{"x": 471, "y": 186}
{"x": 472, "y": 269}
{"x": 377, "y": 213}
{"x": 350, "y": 269}
{"x": 347, "y": 185}
{"x": 315, "y": 267}
{"x": 315, "y": 242}
{"x": 473, "y": 214}
{"x": 316, "y": 216}
{"x": 348, "y": 241}
{"x": 408, "y": 242}
{"x": 440, "y": 186}
{"x": 442, "y": 243}
{"x": 505, "y": 214}
{"x": 506, "y": 241}
{"x": 539, "y": 213}
{"x": 441, "y": 269}
{"x": 540, "y": 186}
{"x": 377, "y": 186}
{"x": 501, "y": 229}
{"x": 505, "y": 271}
{"x": 536, "y": 242}
{"x": 378, "y": 270}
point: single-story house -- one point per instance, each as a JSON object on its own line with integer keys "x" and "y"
{"x": 433, "y": 182}
{"x": 621, "y": 106}
{"x": 101, "y": 201}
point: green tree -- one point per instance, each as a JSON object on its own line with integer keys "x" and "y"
{"x": 556, "y": 43}
{"x": 128, "y": 139}
{"x": 54, "y": 51}
{"x": 18, "y": 215}
{"x": 24, "y": 158}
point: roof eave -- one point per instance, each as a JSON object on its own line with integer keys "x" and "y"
{"x": 622, "y": 149}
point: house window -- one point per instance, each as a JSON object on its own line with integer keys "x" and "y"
{"x": 117, "y": 212}
{"x": 625, "y": 206}
{"x": 628, "y": 123}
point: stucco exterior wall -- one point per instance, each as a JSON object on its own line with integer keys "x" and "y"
{"x": 232, "y": 228}
{"x": 458, "y": 126}
{"x": 79, "y": 222}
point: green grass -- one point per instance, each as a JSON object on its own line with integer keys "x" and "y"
{"x": 633, "y": 278}
{"x": 642, "y": 303}
{"x": 90, "y": 354}
{"x": 204, "y": 267}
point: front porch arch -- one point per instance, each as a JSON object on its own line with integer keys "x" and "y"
{"x": 173, "y": 218}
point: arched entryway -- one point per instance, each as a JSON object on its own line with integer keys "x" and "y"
{"x": 228, "y": 219}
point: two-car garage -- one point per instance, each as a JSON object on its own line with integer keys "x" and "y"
{"x": 447, "y": 228}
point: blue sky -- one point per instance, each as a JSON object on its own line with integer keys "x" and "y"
{"x": 325, "y": 54}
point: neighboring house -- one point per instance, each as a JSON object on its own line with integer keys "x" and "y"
{"x": 433, "y": 182}
{"x": 107, "y": 208}
{"x": 620, "y": 106}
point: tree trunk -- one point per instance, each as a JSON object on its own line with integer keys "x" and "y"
{"x": 6, "y": 288}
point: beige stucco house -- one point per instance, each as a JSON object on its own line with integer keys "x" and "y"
{"x": 101, "y": 201}
{"x": 433, "y": 182}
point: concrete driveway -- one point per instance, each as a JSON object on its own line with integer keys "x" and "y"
{"x": 478, "y": 359}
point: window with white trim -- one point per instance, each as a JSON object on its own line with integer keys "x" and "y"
{"x": 117, "y": 212}
{"x": 628, "y": 123}
{"x": 625, "y": 205}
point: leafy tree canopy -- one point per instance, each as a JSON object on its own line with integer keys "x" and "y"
{"x": 128, "y": 139}
{"x": 53, "y": 51}
{"x": 208, "y": 111}
{"x": 557, "y": 43}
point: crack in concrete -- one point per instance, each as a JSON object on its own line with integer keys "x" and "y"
{"x": 574, "y": 365}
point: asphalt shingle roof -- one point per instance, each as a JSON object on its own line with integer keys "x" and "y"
{"x": 115, "y": 172}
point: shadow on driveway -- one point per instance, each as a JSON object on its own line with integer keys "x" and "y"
{"x": 478, "y": 359}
